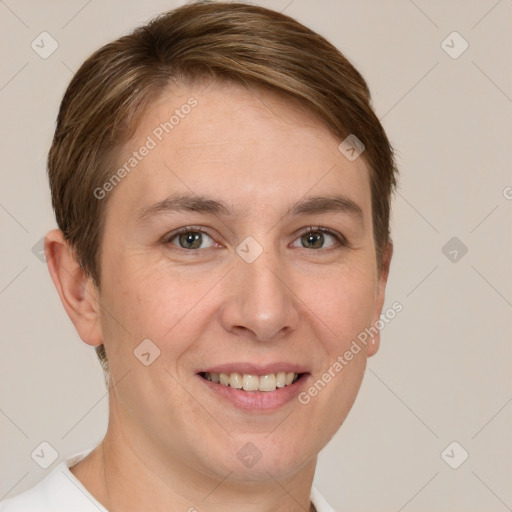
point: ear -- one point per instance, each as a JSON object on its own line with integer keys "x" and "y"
{"x": 382, "y": 280}
{"x": 78, "y": 293}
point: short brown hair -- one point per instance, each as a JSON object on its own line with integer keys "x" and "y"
{"x": 236, "y": 42}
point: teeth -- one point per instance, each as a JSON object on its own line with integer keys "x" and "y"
{"x": 268, "y": 382}
{"x": 249, "y": 382}
{"x": 235, "y": 380}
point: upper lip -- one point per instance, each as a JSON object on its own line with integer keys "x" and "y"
{"x": 255, "y": 369}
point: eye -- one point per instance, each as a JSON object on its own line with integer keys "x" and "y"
{"x": 190, "y": 239}
{"x": 316, "y": 237}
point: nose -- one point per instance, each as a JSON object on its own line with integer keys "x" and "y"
{"x": 261, "y": 303}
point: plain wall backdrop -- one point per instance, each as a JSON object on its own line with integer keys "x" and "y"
{"x": 443, "y": 373}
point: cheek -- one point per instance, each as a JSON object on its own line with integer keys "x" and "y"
{"x": 345, "y": 304}
{"x": 135, "y": 287}
{"x": 147, "y": 300}
{"x": 341, "y": 308}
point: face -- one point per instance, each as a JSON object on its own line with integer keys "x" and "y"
{"x": 241, "y": 244}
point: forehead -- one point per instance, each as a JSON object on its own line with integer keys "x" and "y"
{"x": 249, "y": 147}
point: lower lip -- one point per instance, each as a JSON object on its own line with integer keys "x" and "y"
{"x": 257, "y": 400}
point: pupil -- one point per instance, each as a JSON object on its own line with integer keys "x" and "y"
{"x": 190, "y": 240}
{"x": 312, "y": 238}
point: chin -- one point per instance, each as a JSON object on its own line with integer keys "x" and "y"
{"x": 260, "y": 457}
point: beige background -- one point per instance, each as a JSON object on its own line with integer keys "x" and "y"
{"x": 444, "y": 370}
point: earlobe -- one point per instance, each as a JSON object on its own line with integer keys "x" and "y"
{"x": 382, "y": 280}
{"x": 373, "y": 345}
{"x": 77, "y": 292}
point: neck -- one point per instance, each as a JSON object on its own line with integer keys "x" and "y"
{"x": 128, "y": 475}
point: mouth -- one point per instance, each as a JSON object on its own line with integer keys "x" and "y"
{"x": 250, "y": 382}
{"x": 251, "y": 388}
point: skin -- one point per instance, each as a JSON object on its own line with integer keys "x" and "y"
{"x": 169, "y": 444}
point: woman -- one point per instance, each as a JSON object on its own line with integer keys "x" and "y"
{"x": 222, "y": 190}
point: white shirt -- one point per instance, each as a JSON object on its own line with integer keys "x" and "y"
{"x": 61, "y": 491}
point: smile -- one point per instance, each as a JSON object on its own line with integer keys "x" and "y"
{"x": 249, "y": 382}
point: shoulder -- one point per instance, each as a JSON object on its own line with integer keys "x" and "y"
{"x": 36, "y": 499}
{"x": 59, "y": 491}
{"x": 318, "y": 501}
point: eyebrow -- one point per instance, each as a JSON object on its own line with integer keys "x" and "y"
{"x": 200, "y": 204}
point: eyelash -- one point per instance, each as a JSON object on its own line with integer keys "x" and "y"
{"x": 340, "y": 239}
